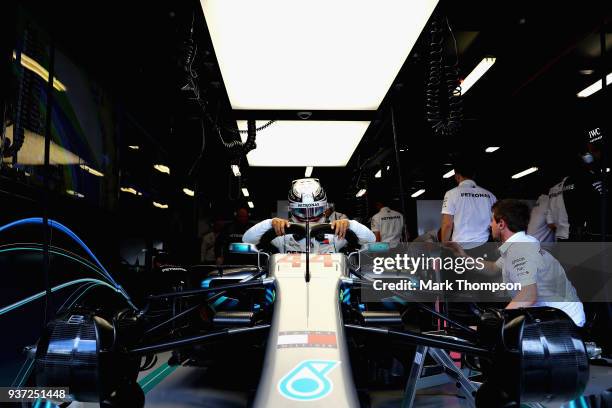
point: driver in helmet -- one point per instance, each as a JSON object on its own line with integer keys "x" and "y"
{"x": 308, "y": 202}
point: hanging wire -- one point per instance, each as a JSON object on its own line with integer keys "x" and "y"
{"x": 443, "y": 85}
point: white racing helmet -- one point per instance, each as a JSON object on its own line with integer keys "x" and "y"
{"x": 307, "y": 200}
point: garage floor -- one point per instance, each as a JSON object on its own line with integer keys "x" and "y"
{"x": 181, "y": 387}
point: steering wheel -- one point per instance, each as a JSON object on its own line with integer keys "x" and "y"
{"x": 318, "y": 232}
{"x": 298, "y": 231}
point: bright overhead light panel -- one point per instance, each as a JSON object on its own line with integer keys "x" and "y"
{"x": 594, "y": 87}
{"x": 251, "y": 205}
{"x": 131, "y": 191}
{"x": 245, "y": 192}
{"x": 317, "y": 54}
{"x": 449, "y": 174}
{"x": 189, "y": 192}
{"x": 162, "y": 168}
{"x": 360, "y": 193}
{"x": 475, "y": 75}
{"x": 236, "y": 170}
{"x": 525, "y": 172}
{"x": 317, "y": 143}
{"x": 417, "y": 193}
{"x": 91, "y": 170}
{"x": 308, "y": 171}
{"x": 75, "y": 193}
{"x": 378, "y": 174}
{"x": 491, "y": 149}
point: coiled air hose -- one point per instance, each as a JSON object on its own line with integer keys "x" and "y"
{"x": 443, "y": 91}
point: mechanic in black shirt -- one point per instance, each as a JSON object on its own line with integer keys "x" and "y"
{"x": 583, "y": 194}
{"x": 233, "y": 233}
{"x": 586, "y": 197}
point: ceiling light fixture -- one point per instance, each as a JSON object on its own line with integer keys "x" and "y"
{"x": 162, "y": 168}
{"x": 189, "y": 192}
{"x": 326, "y": 78}
{"x": 308, "y": 171}
{"x": 491, "y": 149}
{"x": 417, "y": 193}
{"x": 340, "y": 139}
{"x": 378, "y": 174}
{"x": 160, "y": 205}
{"x": 245, "y": 192}
{"x": 134, "y": 147}
{"x": 250, "y": 204}
{"x": 130, "y": 190}
{"x": 236, "y": 170}
{"x": 477, "y": 73}
{"x": 449, "y": 174}
{"x": 75, "y": 193}
{"x": 360, "y": 192}
{"x": 594, "y": 87}
{"x": 525, "y": 172}
{"x": 90, "y": 170}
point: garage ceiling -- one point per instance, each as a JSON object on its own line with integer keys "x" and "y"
{"x": 526, "y": 104}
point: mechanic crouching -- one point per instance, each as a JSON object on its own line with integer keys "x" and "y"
{"x": 542, "y": 278}
{"x": 308, "y": 202}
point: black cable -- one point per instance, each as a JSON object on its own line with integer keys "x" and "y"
{"x": 399, "y": 172}
{"x": 3, "y": 132}
{"x": 442, "y": 78}
{"x": 46, "y": 181}
{"x": 199, "y": 158}
{"x": 22, "y": 111}
{"x": 236, "y": 146}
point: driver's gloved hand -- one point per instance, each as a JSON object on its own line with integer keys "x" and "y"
{"x": 279, "y": 225}
{"x": 340, "y": 227}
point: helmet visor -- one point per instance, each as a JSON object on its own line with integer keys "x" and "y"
{"x": 303, "y": 212}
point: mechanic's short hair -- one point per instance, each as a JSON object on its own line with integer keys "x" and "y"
{"x": 465, "y": 167}
{"x": 514, "y": 212}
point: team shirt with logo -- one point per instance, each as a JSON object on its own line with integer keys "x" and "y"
{"x": 524, "y": 261}
{"x": 390, "y": 224}
{"x": 470, "y": 206}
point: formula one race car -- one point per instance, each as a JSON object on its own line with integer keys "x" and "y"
{"x": 301, "y": 322}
